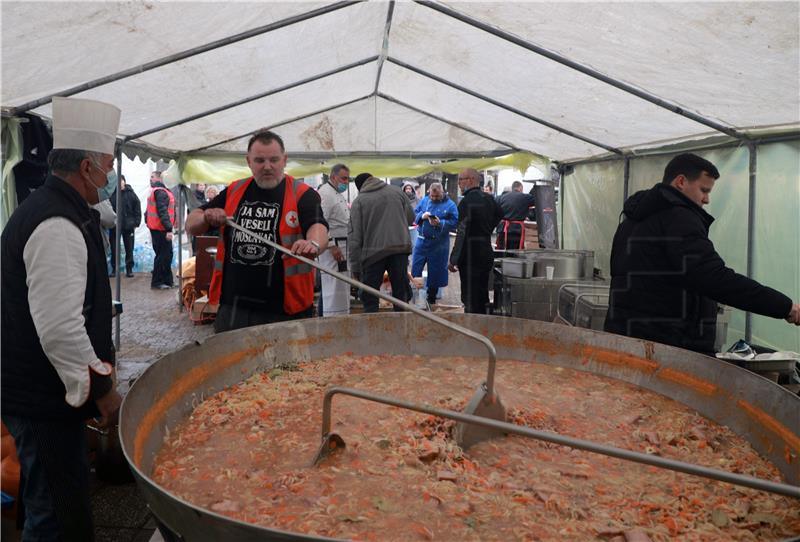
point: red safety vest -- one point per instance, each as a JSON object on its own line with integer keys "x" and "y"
{"x": 298, "y": 277}
{"x": 151, "y": 214}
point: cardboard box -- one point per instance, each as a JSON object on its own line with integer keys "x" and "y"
{"x": 201, "y": 309}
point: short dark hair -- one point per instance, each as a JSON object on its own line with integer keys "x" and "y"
{"x": 690, "y": 165}
{"x": 339, "y": 167}
{"x": 265, "y": 136}
{"x": 69, "y": 160}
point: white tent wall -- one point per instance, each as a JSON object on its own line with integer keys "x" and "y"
{"x": 593, "y": 199}
{"x": 777, "y": 236}
{"x": 593, "y": 196}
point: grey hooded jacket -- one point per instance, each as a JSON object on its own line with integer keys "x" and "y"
{"x": 379, "y": 221}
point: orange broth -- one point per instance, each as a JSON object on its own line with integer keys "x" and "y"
{"x": 246, "y": 453}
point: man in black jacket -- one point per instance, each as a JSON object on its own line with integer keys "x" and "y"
{"x": 130, "y": 217}
{"x": 472, "y": 256}
{"x": 516, "y": 205}
{"x": 666, "y": 277}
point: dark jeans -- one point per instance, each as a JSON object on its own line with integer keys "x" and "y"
{"x": 372, "y": 275}
{"x": 474, "y": 273}
{"x": 54, "y": 479}
{"x": 162, "y": 272}
{"x": 127, "y": 242}
{"x": 231, "y": 317}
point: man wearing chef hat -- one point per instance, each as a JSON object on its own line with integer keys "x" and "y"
{"x": 57, "y": 352}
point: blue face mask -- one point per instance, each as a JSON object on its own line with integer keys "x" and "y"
{"x": 105, "y": 192}
{"x": 342, "y": 188}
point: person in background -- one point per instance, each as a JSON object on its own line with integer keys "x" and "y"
{"x": 666, "y": 276}
{"x": 411, "y": 192}
{"x": 252, "y": 282}
{"x": 130, "y": 217}
{"x": 335, "y": 293}
{"x": 515, "y": 204}
{"x": 108, "y": 218}
{"x": 436, "y": 217}
{"x": 200, "y": 193}
{"x": 378, "y": 239}
{"x": 57, "y": 353}
{"x": 160, "y": 219}
{"x": 211, "y": 193}
{"x": 472, "y": 256}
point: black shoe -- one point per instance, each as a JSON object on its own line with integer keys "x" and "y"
{"x": 129, "y": 274}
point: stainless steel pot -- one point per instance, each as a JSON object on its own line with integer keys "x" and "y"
{"x": 762, "y": 412}
{"x": 566, "y": 264}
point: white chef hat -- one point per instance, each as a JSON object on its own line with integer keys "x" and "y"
{"x": 87, "y": 125}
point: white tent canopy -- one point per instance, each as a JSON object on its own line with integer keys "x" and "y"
{"x": 424, "y": 82}
{"x": 377, "y": 78}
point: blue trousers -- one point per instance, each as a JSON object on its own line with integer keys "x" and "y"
{"x": 54, "y": 479}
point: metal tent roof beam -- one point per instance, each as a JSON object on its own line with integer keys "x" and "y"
{"x": 501, "y": 105}
{"x": 511, "y": 146}
{"x": 183, "y": 55}
{"x": 385, "y": 46}
{"x": 400, "y": 154}
{"x": 282, "y": 123}
{"x": 252, "y": 98}
{"x": 630, "y": 89}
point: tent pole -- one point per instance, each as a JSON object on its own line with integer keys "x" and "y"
{"x": 564, "y": 170}
{"x": 626, "y": 178}
{"x": 724, "y": 145}
{"x": 502, "y": 105}
{"x": 511, "y": 146}
{"x": 252, "y": 98}
{"x": 118, "y": 233}
{"x": 751, "y": 219}
{"x": 180, "y": 246}
{"x": 584, "y": 69}
{"x": 385, "y": 47}
{"x": 183, "y": 55}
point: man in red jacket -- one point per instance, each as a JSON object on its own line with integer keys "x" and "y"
{"x": 160, "y": 218}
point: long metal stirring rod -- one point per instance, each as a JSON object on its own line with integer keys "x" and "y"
{"x": 621, "y": 453}
{"x": 671, "y": 464}
{"x": 441, "y": 321}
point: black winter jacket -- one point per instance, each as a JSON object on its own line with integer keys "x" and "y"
{"x": 131, "y": 209}
{"x": 666, "y": 276}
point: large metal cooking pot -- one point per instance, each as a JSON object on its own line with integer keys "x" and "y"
{"x": 760, "y": 411}
{"x": 566, "y": 264}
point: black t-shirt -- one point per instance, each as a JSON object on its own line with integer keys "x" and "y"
{"x": 253, "y": 272}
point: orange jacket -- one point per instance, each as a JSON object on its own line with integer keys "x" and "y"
{"x": 298, "y": 277}
{"x": 151, "y": 214}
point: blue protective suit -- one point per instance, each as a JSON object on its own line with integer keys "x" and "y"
{"x": 433, "y": 242}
